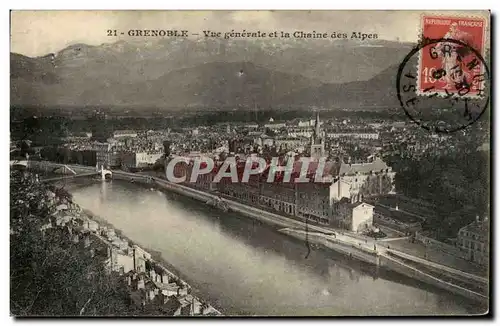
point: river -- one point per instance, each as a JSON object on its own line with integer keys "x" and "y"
{"x": 246, "y": 268}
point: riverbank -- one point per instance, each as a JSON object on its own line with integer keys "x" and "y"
{"x": 354, "y": 247}
{"x": 392, "y": 261}
{"x": 157, "y": 257}
{"x": 160, "y": 286}
{"x": 250, "y": 268}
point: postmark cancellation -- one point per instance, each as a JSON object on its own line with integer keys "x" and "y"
{"x": 451, "y": 58}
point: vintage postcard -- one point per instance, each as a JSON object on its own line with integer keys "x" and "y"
{"x": 250, "y": 163}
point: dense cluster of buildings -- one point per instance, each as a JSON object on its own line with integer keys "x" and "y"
{"x": 411, "y": 140}
{"x": 125, "y": 149}
{"x": 356, "y": 151}
{"x": 151, "y": 286}
{"x": 347, "y": 140}
{"x": 336, "y": 198}
{"x": 354, "y": 167}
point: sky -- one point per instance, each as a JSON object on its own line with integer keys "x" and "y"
{"x": 36, "y": 33}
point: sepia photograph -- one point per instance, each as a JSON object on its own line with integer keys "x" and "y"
{"x": 187, "y": 163}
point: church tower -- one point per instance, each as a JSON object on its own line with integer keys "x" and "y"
{"x": 317, "y": 124}
{"x": 317, "y": 140}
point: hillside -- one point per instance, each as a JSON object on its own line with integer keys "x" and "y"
{"x": 379, "y": 91}
{"x": 211, "y": 85}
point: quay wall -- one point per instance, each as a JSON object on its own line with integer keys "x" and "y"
{"x": 433, "y": 243}
{"x": 352, "y": 251}
{"x": 249, "y": 211}
{"x": 463, "y": 277}
{"x": 413, "y": 272}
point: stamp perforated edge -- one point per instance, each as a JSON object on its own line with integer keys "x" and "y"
{"x": 441, "y": 94}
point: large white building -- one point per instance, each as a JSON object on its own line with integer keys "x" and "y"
{"x": 354, "y": 216}
{"x": 275, "y": 126}
{"x": 474, "y": 240}
{"x": 124, "y": 134}
{"x": 355, "y": 134}
{"x": 363, "y": 179}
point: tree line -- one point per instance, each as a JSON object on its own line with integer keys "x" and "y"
{"x": 457, "y": 184}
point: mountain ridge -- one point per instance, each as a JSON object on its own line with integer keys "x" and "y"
{"x": 206, "y": 72}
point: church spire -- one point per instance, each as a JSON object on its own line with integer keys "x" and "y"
{"x": 317, "y": 142}
{"x": 316, "y": 126}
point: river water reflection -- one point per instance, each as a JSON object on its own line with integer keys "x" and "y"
{"x": 244, "y": 267}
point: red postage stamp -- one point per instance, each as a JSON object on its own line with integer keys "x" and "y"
{"x": 452, "y": 62}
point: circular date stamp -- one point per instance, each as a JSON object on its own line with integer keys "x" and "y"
{"x": 448, "y": 88}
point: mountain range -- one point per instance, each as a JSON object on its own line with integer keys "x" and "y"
{"x": 211, "y": 73}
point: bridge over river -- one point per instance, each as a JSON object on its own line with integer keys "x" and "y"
{"x": 59, "y": 171}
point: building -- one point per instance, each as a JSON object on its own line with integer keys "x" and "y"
{"x": 313, "y": 202}
{"x": 124, "y": 134}
{"x": 264, "y": 140}
{"x": 308, "y": 123}
{"x": 100, "y": 126}
{"x": 354, "y": 134}
{"x": 317, "y": 141}
{"x": 184, "y": 169}
{"x": 107, "y": 156}
{"x": 274, "y": 126}
{"x": 253, "y": 126}
{"x": 140, "y": 257}
{"x": 474, "y": 240}
{"x": 238, "y": 145}
{"x": 363, "y": 179}
{"x": 353, "y": 216}
{"x": 84, "y": 157}
{"x": 335, "y": 200}
{"x": 133, "y": 160}
{"x": 290, "y": 143}
{"x": 278, "y": 196}
{"x": 300, "y": 131}
{"x": 76, "y": 136}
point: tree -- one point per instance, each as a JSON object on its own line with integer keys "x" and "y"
{"x": 452, "y": 182}
{"x": 159, "y": 165}
{"x": 49, "y": 274}
{"x": 386, "y": 184}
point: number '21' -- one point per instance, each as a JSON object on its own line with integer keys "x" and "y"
{"x": 111, "y": 32}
